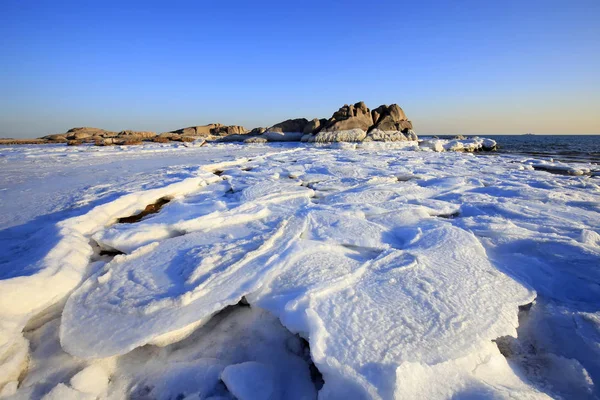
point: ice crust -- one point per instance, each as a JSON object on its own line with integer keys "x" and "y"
{"x": 400, "y": 268}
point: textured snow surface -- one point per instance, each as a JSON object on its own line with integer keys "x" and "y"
{"x": 368, "y": 270}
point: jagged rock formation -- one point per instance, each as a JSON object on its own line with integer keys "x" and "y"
{"x": 101, "y": 137}
{"x": 355, "y": 116}
{"x": 290, "y": 130}
{"x": 350, "y": 123}
{"x": 87, "y": 133}
{"x": 356, "y": 123}
{"x": 208, "y": 130}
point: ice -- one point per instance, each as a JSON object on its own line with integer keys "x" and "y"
{"x": 251, "y": 380}
{"x": 396, "y": 270}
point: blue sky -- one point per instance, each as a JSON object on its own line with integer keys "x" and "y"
{"x": 454, "y": 66}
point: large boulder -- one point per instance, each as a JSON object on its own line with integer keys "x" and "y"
{"x": 139, "y": 134}
{"x": 83, "y": 133}
{"x": 256, "y": 139}
{"x": 312, "y": 126}
{"x": 349, "y": 117}
{"x": 207, "y": 130}
{"x": 275, "y": 136}
{"x": 58, "y": 138}
{"x": 200, "y": 130}
{"x": 257, "y": 131}
{"x": 390, "y": 119}
{"x": 290, "y": 125}
{"x": 228, "y": 130}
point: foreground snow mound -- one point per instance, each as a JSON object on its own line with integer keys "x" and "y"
{"x": 432, "y": 298}
{"x": 325, "y": 272}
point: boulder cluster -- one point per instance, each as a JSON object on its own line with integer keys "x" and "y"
{"x": 351, "y": 123}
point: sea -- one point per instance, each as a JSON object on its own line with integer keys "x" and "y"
{"x": 566, "y": 148}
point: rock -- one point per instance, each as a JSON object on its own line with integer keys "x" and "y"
{"x": 274, "y": 136}
{"x": 200, "y": 130}
{"x": 256, "y": 139}
{"x": 291, "y": 125}
{"x": 104, "y": 141}
{"x": 161, "y": 139}
{"x": 351, "y": 117}
{"x": 390, "y": 118}
{"x": 235, "y": 138}
{"x": 74, "y": 142}
{"x": 140, "y": 134}
{"x": 169, "y": 135}
{"x": 56, "y": 138}
{"x": 312, "y": 126}
{"x": 459, "y": 137}
{"x": 228, "y": 130}
{"x": 87, "y": 132}
{"x": 257, "y": 131}
{"x": 206, "y": 130}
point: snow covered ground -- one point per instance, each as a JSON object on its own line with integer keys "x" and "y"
{"x": 293, "y": 271}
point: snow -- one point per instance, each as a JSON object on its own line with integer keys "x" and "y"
{"x": 402, "y": 269}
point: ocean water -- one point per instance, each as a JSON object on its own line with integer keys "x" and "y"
{"x": 567, "y": 148}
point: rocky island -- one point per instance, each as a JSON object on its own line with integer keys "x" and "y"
{"x": 350, "y": 123}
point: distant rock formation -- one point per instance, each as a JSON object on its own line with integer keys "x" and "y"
{"x": 350, "y": 123}
{"x": 290, "y": 130}
{"x": 209, "y": 130}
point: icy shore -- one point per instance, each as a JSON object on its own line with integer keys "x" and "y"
{"x": 371, "y": 270}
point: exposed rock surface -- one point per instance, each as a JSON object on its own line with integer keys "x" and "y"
{"x": 350, "y": 123}
{"x": 390, "y": 119}
{"x": 210, "y": 130}
{"x": 312, "y": 126}
{"x": 257, "y": 131}
{"x": 291, "y": 125}
{"x": 140, "y": 134}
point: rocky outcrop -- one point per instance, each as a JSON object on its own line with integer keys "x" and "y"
{"x": 257, "y": 131}
{"x": 350, "y": 123}
{"x": 58, "y": 138}
{"x": 357, "y": 116}
{"x": 290, "y": 130}
{"x": 256, "y": 139}
{"x": 83, "y": 133}
{"x": 312, "y": 126}
{"x": 291, "y": 125}
{"x": 390, "y": 125}
{"x": 356, "y": 123}
{"x": 139, "y": 134}
{"x": 228, "y": 130}
{"x": 208, "y": 130}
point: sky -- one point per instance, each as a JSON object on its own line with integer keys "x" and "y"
{"x": 471, "y": 67}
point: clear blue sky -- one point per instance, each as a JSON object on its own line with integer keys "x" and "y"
{"x": 454, "y": 66}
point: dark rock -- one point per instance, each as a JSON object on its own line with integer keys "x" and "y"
{"x": 355, "y": 116}
{"x": 291, "y": 125}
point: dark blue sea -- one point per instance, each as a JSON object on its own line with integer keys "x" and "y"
{"x": 567, "y": 148}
